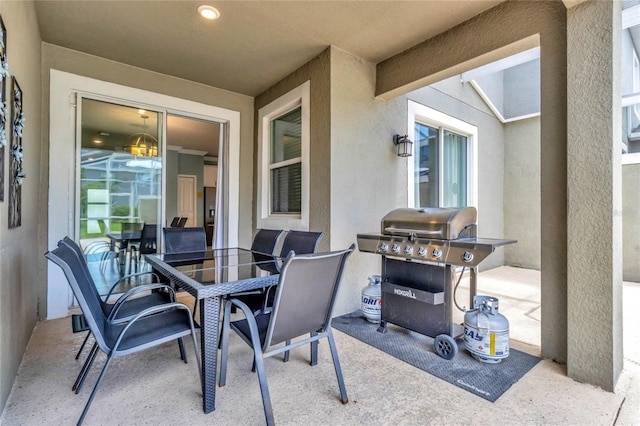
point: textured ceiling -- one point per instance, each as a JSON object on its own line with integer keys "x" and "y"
{"x": 254, "y": 44}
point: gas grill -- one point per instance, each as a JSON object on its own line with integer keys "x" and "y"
{"x": 421, "y": 249}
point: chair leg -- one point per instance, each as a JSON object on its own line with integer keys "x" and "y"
{"x": 336, "y": 364}
{"x": 183, "y": 353}
{"x": 85, "y": 368}
{"x": 95, "y": 389}
{"x": 314, "y": 350}
{"x": 224, "y": 344}
{"x": 286, "y": 354}
{"x": 84, "y": 342}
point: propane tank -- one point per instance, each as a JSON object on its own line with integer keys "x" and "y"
{"x": 486, "y": 332}
{"x": 372, "y": 299}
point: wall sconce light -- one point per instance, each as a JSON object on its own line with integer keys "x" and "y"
{"x": 404, "y": 144}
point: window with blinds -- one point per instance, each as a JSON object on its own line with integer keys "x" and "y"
{"x": 286, "y": 163}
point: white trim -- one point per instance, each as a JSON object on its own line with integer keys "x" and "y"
{"x": 632, "y": 158}
{"x": 300, "y": 96}
{"x": 62, "y": 160}
{"x": 430, "y": 116}
{"x": 631, "y": 16}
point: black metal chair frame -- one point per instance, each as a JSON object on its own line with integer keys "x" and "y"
{"x": 294, "y": 314}
{"x": 125, "y": 313}
{"x": 119, "y": 339}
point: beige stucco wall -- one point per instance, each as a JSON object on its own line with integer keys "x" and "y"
{"x": 594, "y": 219}
{"x": 317, "y": 72}
{"x": 19, "y": 251}
{"x": 631, "y": 222}
{"x": 522, "y": 192}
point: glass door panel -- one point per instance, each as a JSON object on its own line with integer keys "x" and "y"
{"x": 120, "y": 184}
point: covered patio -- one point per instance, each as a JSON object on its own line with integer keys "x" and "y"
{"x": 155, "y": 387}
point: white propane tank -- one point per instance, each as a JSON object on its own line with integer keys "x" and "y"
{"x": 486, "y": 332}
{"x": 372, "y": 299}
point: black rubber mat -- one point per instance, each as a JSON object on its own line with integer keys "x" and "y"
{"x": 488, "y": 381}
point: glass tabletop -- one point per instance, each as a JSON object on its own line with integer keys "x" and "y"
{"x": 222, "y": 265}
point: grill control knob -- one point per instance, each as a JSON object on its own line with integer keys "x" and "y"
{"x": 408, "y": 249}
{"x": 384, "y": 246}
{"x": 437, "y": 253}
{"x": 467, "y": 256}
{"x": 395, "y": 248}
{"x": 422, "y": 251}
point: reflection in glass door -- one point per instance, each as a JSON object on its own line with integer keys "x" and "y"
{"x": 120, "y": 185}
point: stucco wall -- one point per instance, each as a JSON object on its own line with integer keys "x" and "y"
{"x": 631, "y": 222}
{"x": 19, "y": 279}
{"x": 522, "y": 192}
{"x": 317, "y": 72}
{"x": 365, "y": 189}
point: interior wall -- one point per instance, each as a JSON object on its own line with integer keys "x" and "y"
{"x": 20, "y": 281}
{"x": 317, "y": 71}
{"x": 522, "y": 192}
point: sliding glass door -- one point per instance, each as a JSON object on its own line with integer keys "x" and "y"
{"x": 119, "y": 183}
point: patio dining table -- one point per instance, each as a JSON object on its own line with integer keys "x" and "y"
{"x": 208, "y": 276}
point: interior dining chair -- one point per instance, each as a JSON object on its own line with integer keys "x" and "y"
{"x": 151, "y": 327}
{"x": 174, "y": 221}
{"x": 183, "y": 240}
{"x": 129, "y": 308}
{"x": 182, "y": 222}
{"x": 148, "y": 241}
{"x": 305, "y": 296}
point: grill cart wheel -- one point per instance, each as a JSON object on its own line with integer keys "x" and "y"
{"x": 445, "y": 346}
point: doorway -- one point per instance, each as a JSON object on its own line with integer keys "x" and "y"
{"x": 65, "y": 89}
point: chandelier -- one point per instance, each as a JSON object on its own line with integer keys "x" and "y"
{"x": 142, "y": 144}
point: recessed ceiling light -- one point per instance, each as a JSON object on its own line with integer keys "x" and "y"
{"x": 209, "y": 12}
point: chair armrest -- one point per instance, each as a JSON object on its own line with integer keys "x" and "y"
{"x": 251, "y": 320}
{"x": 148, "y": 287}
{"x": 126, "y": 277}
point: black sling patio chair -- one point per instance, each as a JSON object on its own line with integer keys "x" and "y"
{"x": 129, "y": 309}
{"x": 300, "y": 242}
{"x": 304, "y": 299}
{"x": 263, "y": 245}
{"x": 183, "y": 240}
{"x": 151, "y": 327}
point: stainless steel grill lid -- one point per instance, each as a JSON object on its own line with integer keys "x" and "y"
{"x": 438, "y": 223}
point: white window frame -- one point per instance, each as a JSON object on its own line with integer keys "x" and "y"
{"x": 298, "y": 97}
{"x": 417, "y": 112}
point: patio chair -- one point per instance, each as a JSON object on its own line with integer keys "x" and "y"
{"x": 265, "y": 241}
{"x": 128, "y": 310}
{"x": 183, "y": 240}
{"x": 151, "y": 327}
{"x": 305, "y": 295}
{"x": 300, "y": 242}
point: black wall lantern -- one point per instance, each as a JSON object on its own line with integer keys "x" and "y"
{"x": 404, "y": 144}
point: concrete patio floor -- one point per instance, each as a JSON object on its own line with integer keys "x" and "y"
{"x": 155, "y": 387}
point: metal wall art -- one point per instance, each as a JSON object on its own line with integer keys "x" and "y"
{"x": 16, "y": 171}
{"x": 4, "y": 110}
